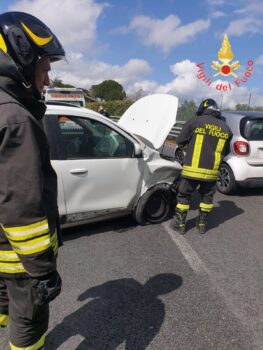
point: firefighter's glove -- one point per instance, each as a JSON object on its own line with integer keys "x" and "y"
{"x": 46, "y": 288}
{"x": 179, "y": 156}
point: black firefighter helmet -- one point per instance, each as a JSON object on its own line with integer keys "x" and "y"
{"x": 208, "y": 106}
{"x": 25, "y": 39}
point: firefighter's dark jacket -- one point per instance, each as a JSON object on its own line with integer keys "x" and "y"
{"x": 205, "y": 140}
{"x": 28, "y": 186}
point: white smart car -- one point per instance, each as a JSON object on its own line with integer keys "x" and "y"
{"x": 243, "y": 166}
{"x": 107, "y": 169}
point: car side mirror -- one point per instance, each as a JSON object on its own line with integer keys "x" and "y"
{"x": 137, "y": 150}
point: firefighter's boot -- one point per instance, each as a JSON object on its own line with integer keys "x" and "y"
{"x": 178, "y": 223}
{"x": 201, "y": 222}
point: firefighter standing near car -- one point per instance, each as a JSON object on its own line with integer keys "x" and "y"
{"x": 205, "y": 140}
{"x": 28, "y": 196}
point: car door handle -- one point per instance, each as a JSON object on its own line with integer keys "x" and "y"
{"x": 78, "y": 171}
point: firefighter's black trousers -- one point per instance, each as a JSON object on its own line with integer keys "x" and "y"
{"x": 27, "y": 321}
{"x": 188, "y": 186}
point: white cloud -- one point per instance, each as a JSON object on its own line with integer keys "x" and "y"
{"x": 242, "y": 26}
{"x": 217, "y": 14}
{"x": 216, "y": 2}
{"x": 186, "y": 86}
{"x": 82, "y": 73}
{"x": 166, "y": 33}
{"x": 259, "y": 60}
{"x": 73, "y": 22}
{"x": 141, "y": 88}
{"x": 248, "y": 18}
{"x": 253, "y": 7}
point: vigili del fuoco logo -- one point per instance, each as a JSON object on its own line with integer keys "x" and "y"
{"x": 226, "y": 67}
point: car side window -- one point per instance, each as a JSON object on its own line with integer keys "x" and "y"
{"x": 88, "y": 138}
{"x": 252, "y": 129}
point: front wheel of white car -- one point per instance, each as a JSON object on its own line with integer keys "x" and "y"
{"x": 154, "y": 206}
{"x": 226, "y": 183}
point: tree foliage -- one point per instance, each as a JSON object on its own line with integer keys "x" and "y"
{"x": 108, "y": 90}
{"x": 241, "y": 107}
{"x": 114, "y": 108}
{"x": 187, "y": 110}
{"x": 245, "y": 107}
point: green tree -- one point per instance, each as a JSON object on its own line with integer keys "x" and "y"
{"x": 108, "y": 90}
{"x": 187, "y": 110}
{"x": 114, "y": 108}
{"x": 242, "y": 107}
{"x": 245, "y": 107}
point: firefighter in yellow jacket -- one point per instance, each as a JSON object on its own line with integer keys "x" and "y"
{"x": 28, "y": 194}
{"x": 205, "y": 140}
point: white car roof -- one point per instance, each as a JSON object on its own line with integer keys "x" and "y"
{"x": 67, "y": 109}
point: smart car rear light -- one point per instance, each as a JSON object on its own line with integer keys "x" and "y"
{"x": 241, "y": 148}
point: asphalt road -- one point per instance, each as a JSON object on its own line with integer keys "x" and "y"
{"x": 132, "y": 287}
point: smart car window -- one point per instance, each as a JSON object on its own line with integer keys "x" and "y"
{"x": 253, "y": 130}
{"x": 88, "y": 138}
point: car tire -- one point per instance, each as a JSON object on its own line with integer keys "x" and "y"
{"x": 226, "y": 183}
{"x": 154, "y": 206}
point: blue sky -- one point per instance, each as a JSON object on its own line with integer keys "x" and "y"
{"x": 152, "y": 46}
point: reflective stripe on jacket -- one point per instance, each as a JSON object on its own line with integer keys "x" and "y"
{"x": 206, "y": 140}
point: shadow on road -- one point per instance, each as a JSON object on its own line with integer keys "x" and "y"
{"x": 122, "y": 224}
{"x": 120, "y": 311}
{"x": 219, "y": 215}
{"x": 247, "y": 192}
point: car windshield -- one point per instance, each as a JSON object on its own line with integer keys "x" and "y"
{"x": 253, "y": 130}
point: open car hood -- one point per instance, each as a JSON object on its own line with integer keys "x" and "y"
{"x": 151, "y": 117}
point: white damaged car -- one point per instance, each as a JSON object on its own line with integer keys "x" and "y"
{"x": 107, "y": 169}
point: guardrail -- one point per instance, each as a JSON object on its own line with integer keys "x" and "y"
{"x": 175, "y": 131}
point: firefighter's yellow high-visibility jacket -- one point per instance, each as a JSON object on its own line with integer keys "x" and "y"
{"x": 205, "y": 140}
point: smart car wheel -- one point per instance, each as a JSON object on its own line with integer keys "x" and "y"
{"x": 154, "y": 206}
{"x": 226, "y": 183}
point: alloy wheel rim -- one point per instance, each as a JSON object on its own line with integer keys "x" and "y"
{"x": 224, "y": 179}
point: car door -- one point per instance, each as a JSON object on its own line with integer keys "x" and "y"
{"x": 98, "y": 170}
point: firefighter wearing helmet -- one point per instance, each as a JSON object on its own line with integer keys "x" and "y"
{"x": 29, "y": 229}
{"x": 204, "y": 140}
